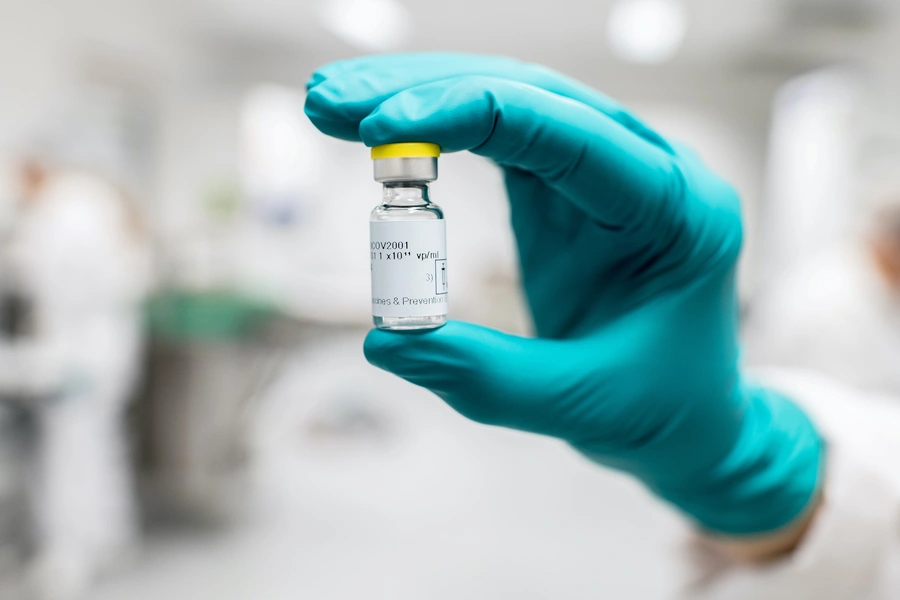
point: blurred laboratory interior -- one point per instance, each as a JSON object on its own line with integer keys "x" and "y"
{"x": 185, "y": 410}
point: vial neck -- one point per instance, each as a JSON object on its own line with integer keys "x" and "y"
{"x": 406, "y": 193}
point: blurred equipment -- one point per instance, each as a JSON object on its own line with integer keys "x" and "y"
{"x": 77, "y": 261}
{"x": 832, "y": 302}
{"x": 815, "y": 142}
{"x": 838, "y": 312}
{"x": 279, "y": 162}
{"x": 16, "y": 427}
{"x": 210, "y": 357}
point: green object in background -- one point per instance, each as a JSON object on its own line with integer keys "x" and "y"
{"x": 205, "y": 316}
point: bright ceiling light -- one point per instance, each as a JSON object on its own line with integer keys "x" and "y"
{"x": 370, "y": 25}
{"x": 646, "y": 31}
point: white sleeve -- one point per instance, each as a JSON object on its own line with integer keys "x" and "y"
{"x": 852, "y": 550}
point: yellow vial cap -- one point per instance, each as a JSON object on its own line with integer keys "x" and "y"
{"x": 406, "y": 150}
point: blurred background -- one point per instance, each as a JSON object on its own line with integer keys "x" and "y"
{"x": 185, "y": 410}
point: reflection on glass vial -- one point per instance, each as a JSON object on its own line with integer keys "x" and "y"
{"x": 408, "y": 241}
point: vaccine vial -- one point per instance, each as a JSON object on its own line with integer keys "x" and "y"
{"x": 408, "y": 240}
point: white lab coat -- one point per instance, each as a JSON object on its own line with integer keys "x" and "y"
{"x": 85, "y": 270}
{"x": 852, "y": 550}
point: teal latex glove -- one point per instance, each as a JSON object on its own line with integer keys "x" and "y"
{"x": 628, "y": 245}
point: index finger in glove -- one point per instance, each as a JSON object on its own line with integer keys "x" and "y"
{"x": 618, "y": 179}
{"x": 343, "y": 93}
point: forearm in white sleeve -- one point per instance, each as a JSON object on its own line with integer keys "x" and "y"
{"x": 852, "y": 548}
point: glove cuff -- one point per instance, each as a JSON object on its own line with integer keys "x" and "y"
{"x": 771, "y": 476}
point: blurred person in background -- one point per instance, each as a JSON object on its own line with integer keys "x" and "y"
{"x": 628, "y": 245}
{"x": 77, "y": 257}
{"x": 838, "y": 312}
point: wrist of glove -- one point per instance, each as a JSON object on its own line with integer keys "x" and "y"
{"x": 766, "y": 480}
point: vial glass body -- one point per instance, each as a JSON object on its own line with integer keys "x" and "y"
{"x": 409, "y": 259}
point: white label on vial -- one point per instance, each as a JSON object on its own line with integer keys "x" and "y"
{"x": 409, "y": 268}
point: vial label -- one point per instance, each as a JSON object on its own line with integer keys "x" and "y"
{"x": 409, "y": 268}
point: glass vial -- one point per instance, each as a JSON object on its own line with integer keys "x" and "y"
{"x": 408, "y": 241}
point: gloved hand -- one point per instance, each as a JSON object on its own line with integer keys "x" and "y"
{"x": 628, "y": 247}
